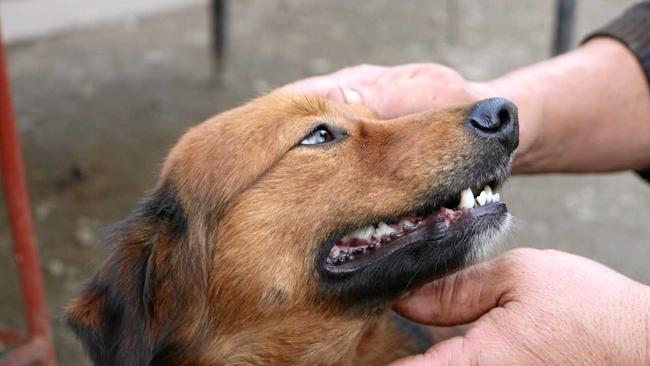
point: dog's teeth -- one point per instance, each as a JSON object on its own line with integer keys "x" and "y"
{"x": 383, "y": 229}
{"x": 466, "y": 199}
{"x": 335, "y": 252}
{"x": 370, "y": 231}
{"x": 488, "y": 194}
{"x": 363, "y": 233}
{"x": 356, "y": 234}
{"x": 406, "y": 225}
{"x": 481, "y": 199}
{"x": 496, "y": 197}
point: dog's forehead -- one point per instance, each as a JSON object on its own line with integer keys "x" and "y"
{"x": 228, "y": 152}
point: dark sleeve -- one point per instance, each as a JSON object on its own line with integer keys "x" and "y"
{"x": 633, "y": 30}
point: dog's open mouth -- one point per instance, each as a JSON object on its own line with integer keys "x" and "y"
{"x": 369, "y": 243}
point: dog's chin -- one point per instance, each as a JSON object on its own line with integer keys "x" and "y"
{"x": 366, "y": 273}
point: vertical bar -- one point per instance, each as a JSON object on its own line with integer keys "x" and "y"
{"x": 565, "y": 10}
{"x": 22, "y": 230}
{"x": 219, "y": 10}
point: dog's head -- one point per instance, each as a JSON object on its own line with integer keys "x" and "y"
{"x": 294, "y": 219}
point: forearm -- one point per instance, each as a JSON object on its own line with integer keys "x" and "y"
{"x": 587, "y": 110}
{"x": 642, "y": 348}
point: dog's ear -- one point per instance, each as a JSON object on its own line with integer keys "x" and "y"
{"x": 125, "y": 312}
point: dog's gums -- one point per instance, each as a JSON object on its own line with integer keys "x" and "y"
{"x": 372, "y": 241}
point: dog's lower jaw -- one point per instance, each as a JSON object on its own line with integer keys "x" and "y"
{"x": 490, "y": 243}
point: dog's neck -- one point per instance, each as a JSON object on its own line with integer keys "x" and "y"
{"x": 300, "y": 341}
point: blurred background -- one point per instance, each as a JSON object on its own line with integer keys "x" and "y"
{"x": 103, "y": 89}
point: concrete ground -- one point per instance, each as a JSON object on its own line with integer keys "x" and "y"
{"x": 98, "y": 108}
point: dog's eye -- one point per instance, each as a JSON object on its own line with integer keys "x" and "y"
{"x": 319, "y": 135}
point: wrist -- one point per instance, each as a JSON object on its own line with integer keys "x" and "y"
{"x": 639, "y": 349}
{"x": 567, "y": 105}
{"x": 645, "y": 331}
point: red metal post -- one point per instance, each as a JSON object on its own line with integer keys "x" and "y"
{"x": 39, "y": 343}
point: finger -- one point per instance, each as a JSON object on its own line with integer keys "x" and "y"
{"x": 333, "y": 94}
{"x": 344, "y": 95}
{"x": 351, "y": 78}
{"x": 325, "y": 83}
{"x": 328, "y": 88}
{"x": 455, "y": 351}
{"x": 352, "y": 96}
{"x": 460, "y": 298}
{"x": 320, "y": 85}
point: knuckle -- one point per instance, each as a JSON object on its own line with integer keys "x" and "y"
{"x": 425, "y": 70}
{"x": 368, "y": 67}
{"x": 553, "y": 253}
{"x": 438, "y": 70}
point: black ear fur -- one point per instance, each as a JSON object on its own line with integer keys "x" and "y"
{"x": 113, "y": 314}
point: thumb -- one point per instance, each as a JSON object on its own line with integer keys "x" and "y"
{"x": 454, "y": 351}
{"x": 352, "y": 85}
{"x": 329, "y": 89}
{"x": 462, "y": 297}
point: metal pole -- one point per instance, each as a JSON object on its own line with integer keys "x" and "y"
{"x": 22, "y": 228}
{"x": 565, "y": 10}
{"x": 219, "y": 31}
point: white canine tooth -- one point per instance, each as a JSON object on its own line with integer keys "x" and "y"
{"x": 405, "y": 223}
{"x": 496, "y": 197}
{"x": 362, "y": 233}
{"x": 383, "y": 229}
{"x": 488, "y": 194}
{"x": 369, "y": 231}
{"x": 481, "y": 199}
{"x": 466, "y": 199}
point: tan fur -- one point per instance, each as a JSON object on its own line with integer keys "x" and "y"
{"x": 257, "y": 210}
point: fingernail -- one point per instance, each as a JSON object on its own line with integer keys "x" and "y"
{"x": 351, "y": 96}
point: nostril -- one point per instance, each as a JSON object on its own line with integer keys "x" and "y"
{"x": 492, "y": 116}
{"x": 504, "y": 116}
{"x": 485, "y": 124}
{"x": 489, "y": 121}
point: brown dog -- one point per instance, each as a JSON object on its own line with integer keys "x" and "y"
{"x": 281, "y": 231}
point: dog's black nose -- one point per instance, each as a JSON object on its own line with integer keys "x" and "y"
{"x": 495, "y": 118}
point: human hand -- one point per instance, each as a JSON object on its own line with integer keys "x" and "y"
{"x": 412, "y": 88}
{"x": 394, "y": 91}
{"x": 533, "y": 307}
